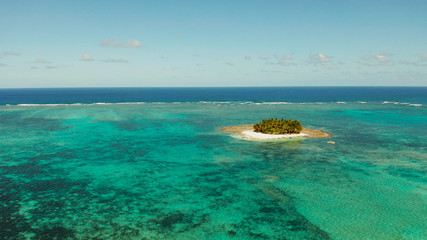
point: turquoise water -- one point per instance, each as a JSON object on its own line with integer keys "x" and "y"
{"x": 165, "y": 171}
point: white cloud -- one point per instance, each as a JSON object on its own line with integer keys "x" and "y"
{"x": 382, "y": 57}
{"x": 372, "y": 64}
{"x": 379, "y": 59}
{"x": 262, "y": 57}
{"x": 282, "y": 60}
{"x": 86, "y": 57}
{"x": 116, "y": 61}
{"x": 42, "y": 60}
{"x": 285, "y": 56}
{"x": 403, "y": 62}
{"x": 319, "y": 58}
{"x": 50, "y": 67}
{"x": 114, "y": 42}
{"x": 423, "y": 56}
{"x": 11, "y": 53}
{"x": 133, "y": 44}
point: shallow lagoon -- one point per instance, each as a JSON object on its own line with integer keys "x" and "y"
{"x": 165, "y": 171}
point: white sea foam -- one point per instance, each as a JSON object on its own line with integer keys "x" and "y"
{"x": 27, "y": 105}
{"x": 129, "y": 103}
{"x": 56, "y": 104}
{"x": 42, "y": 105}
{"x": 276, "y": 103}
{"x": 388, "y": 102}
{"x": 102, "y": 103}
{"x": 201, "y": 102}
{"x": 280, "y": 103}
{"x": 213, "y": 102}
{"x": 69, "y": 104}
{"x": 404, "y": 103}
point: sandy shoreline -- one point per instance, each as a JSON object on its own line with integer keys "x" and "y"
{"x": 247, "y": 132}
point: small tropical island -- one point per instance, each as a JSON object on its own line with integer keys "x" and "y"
{"x": 274, "y": 128}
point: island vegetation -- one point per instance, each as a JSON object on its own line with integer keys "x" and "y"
{"x": 278, "y": 126}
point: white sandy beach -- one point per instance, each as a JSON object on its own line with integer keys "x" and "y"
{"x": 251, "y": 135}
{"x": 247, "y": 132}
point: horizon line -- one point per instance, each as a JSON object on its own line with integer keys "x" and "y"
{"x": 213, "y": 87}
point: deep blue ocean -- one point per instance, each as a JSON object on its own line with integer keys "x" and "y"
{"x": 152, "y": 163}
{"x": 257, "y": 94}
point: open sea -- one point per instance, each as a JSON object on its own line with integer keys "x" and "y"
{"x": 151, "y": 163}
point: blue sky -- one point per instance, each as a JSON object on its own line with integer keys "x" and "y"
{"x": 212, "y": 43}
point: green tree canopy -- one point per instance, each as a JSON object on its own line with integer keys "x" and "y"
{"x": 278, "y": 126}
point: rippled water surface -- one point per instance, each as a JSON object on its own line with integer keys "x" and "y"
{"x": 165, "y": 171}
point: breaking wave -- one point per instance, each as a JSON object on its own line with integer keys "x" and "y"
{"x": 208, "y": 102}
